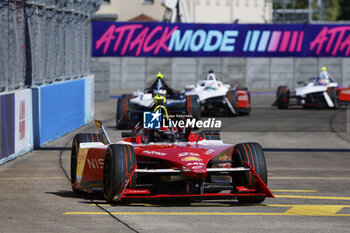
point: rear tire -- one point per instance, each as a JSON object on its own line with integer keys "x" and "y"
{"x": 119, "y": 162}
{"x": 80, "y": 138}
{"x": 123, "y": 106}
{"x": 193, "y": 106}
{"x": 282, "y": 96}
{"x": 253, "y": 154}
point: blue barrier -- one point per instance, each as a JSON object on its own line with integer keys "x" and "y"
{"x": 58, "y": 109}
{"x": 29, "y": 118}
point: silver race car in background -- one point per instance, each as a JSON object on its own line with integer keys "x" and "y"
{"x": 313, "y": 94}
{"x": 216, "y": 97}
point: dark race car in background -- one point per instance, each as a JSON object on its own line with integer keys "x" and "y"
{"x": 130, "y": 107}
{"x": 313, "y": 95}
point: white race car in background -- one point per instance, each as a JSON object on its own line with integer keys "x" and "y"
{"x": 313, "y": 94}
{"x": 216, "y": 97}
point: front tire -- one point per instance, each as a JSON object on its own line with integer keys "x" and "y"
{"x": 80, "y": 138}
{"x": 118, "y": 166}
{"x": 253, "y": 154}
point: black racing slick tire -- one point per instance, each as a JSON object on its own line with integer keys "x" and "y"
{"x": 123, "y": 114}
{"x": 282, "y": 97}
{"x": 253, "y": 154}
{"x": 80, "y": 138}
{"x": 193, "y": 106}
{"x": 232, "y": 98}
{"x": 119, "y": 162}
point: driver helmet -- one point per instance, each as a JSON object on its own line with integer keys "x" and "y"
{"x": 162, "y": 92}
{"x": 211, "y": 75}
{"x": 323, "y": 68}
{"x": 159, "y": 75}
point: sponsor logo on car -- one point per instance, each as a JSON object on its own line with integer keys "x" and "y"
{"x": 208, "y": 152}
{"x": 197, "y": 167}
{"x": 191, "y": 158}
{"x": 154, "y": 153}
{"x": 223, "y": 158}
{"x": 345, "y": 92}
{"x": 187, "y": 153}
{"x": 195, "y": 163}
{"x": 243, "y": 97}
{"x": 95, "y": 163}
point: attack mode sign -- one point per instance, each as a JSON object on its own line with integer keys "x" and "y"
{"x": 219, "y": 40}
{"x": 159, "y": 40}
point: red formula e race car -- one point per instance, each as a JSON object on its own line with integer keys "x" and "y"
{"x": 170, "y": 164}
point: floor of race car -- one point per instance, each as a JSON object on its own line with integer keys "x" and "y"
{"x": 309, "y": 174}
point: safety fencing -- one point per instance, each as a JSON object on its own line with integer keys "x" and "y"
{"x": 45, "y": 82}
{"x": 44, "y": 41}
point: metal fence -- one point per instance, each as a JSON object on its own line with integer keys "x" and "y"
{"x": 42, "y": 41}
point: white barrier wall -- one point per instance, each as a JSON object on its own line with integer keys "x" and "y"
{"x": 16, "y": 137}
{"x": 23, "y": 121}
{"x": 89, "y": 98}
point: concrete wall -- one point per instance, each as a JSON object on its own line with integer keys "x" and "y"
{"x": 255, "y": 73}
{"x": 106, "y": 77}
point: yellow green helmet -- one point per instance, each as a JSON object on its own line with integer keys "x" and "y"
{"x": 324, "y": 68}
{"x": 159, "y": 75}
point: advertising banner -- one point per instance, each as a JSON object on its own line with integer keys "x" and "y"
{"x": 219, "y": 40}
{"x": 23, "y": 121}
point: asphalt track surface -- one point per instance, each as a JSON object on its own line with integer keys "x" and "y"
{"x": 308, "y": 173}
